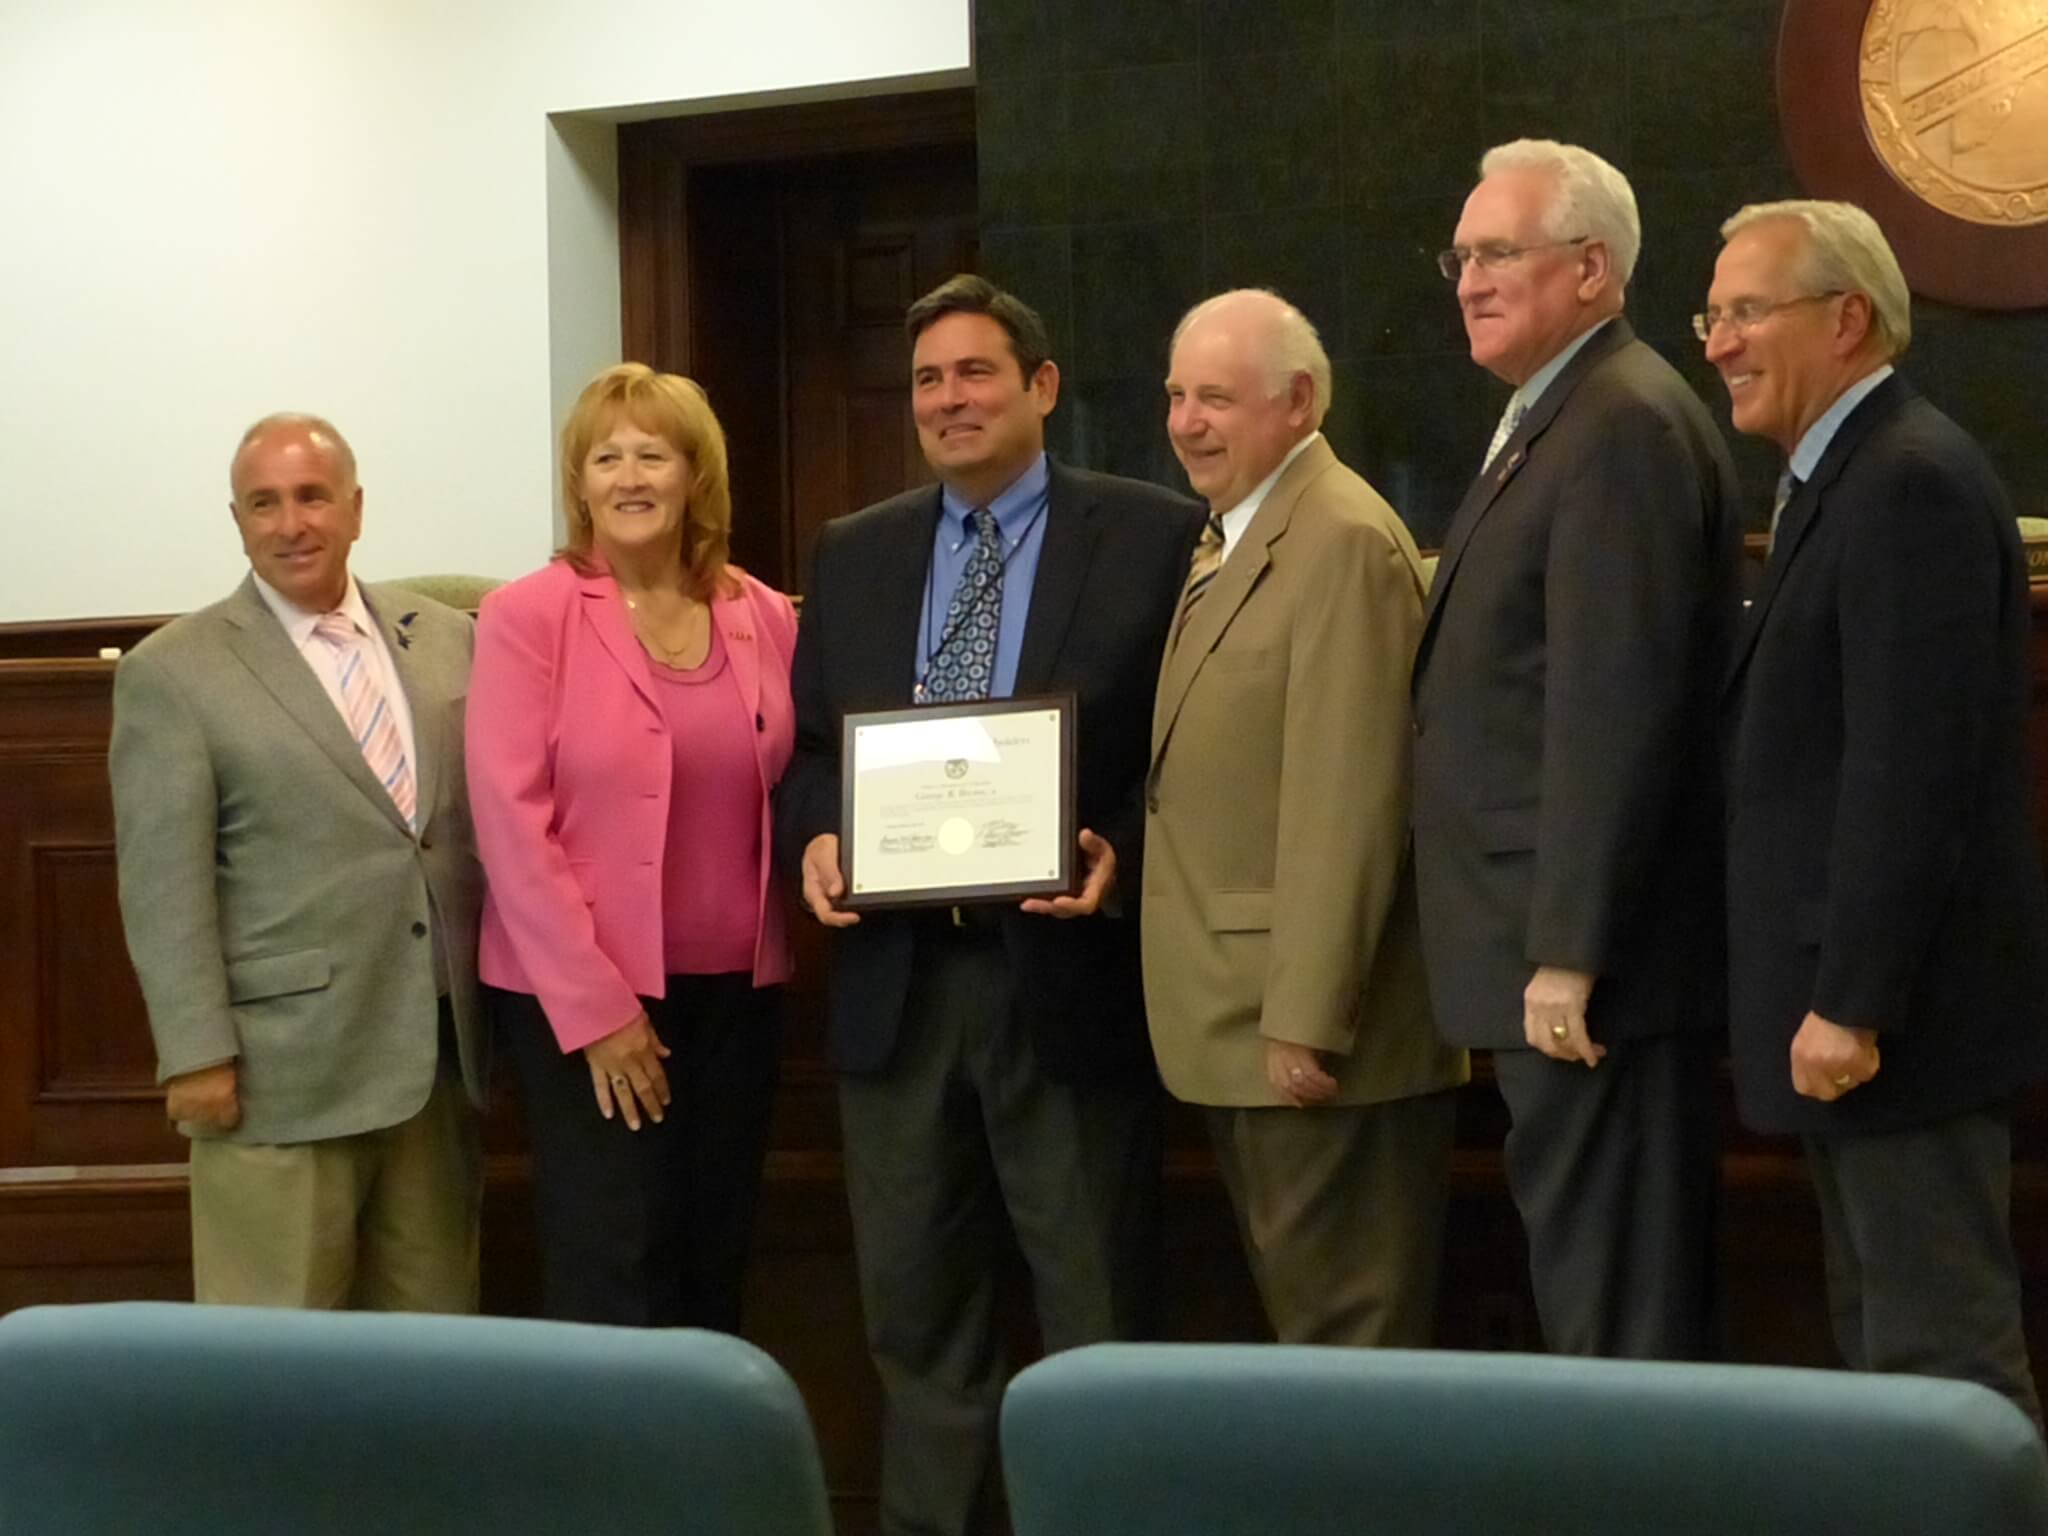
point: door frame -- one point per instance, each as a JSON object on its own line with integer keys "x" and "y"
{"x": 698, "y": 290}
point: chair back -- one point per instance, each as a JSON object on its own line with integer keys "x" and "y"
{"x": 225, "y": 1421}
{"x": 1257, "y": 1440}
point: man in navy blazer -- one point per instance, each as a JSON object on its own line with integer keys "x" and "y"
{"x": 1887, "y": 915}
{"x": 991, "y": 1059}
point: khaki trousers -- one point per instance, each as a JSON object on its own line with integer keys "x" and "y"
{"x": 1341, "y": 1211}
{"x": 382, "y": 1221}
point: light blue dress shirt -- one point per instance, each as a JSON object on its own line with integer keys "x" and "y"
{"x": 1020, "y": 518}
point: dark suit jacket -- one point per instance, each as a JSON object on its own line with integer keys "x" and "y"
{"x": 1566, "y": 792}
{"x": 1882, "y": 863}
{"x": 1109, "y": 577}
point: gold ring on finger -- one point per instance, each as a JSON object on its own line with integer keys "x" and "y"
{"x": 1559, "y": 1032}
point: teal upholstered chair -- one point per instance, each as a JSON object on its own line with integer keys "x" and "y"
{"x": 169, "y": 1420}
{"x": 1264, "y": 1440}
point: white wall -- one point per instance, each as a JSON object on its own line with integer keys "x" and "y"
{"x": 397, "y": 213}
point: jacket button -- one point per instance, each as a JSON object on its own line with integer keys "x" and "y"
{"x": 426, "y": 844}
{"x": 419, "y": 930}
{"x": 1152, "y": 803}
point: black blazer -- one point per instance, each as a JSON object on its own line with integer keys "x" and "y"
{"x": 1109, "y": 578}
{"x": 1882, "y": 863}
{"x": 1566, "y": 789}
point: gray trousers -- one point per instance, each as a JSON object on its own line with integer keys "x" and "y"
{"x": 1615, "y": 1170}
{"x": 959, "y": 1128}
{"x": 1917, "y": 1228}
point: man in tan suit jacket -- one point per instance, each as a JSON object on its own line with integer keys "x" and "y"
{"x": 1283, "y": 973}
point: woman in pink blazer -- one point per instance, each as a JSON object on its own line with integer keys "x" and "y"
{"x": 629, "y": 717}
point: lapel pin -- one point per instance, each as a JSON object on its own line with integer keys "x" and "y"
{"x": 404, "y": 624}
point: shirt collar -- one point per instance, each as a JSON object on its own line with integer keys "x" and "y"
{"x": 1806, "y": 457}
{"x": 1014, "y": 506}
{"x": 298, "y": 622}
{"x": 1537, "y": 382}
{"x": 1235, "y": 519}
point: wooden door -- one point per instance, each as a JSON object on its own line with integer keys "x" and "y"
{"x": 863, "y": 240}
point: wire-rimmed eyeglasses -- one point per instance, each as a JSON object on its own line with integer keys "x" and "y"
{"x": 1744, "y": 313}
{"x": 1490, "y": 254}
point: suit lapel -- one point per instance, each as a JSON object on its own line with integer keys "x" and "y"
{"x": 1232, "y": 586}
{"x": 606, "y": 612}
{"x": 735, "y": 619}
{"x": 882, "y": 627}
{"x": 429, "y": 742}
{"x": 260, "y": 643}
{"x": 1513, "y": 457}
{"x": 1803, "y": 510}
{"x": 1071, "y": 528}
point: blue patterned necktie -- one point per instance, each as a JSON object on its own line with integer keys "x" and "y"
{"x": 963, "y": 663}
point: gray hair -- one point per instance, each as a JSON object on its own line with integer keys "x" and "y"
{"x": 1293, "y": 346}
{"x": 1845, "y": 252}
{"x": 318, "y": 428}
{"x": 1593, "y": 198}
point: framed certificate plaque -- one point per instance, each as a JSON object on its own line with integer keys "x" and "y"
{"x": 948, "y": 804}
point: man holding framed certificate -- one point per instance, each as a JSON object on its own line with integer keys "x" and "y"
{"x": 991, "y": 1044}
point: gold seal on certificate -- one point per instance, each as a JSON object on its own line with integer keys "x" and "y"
{"x": 954, "y": 803}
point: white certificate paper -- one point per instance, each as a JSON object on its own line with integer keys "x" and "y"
{"x": 958, "y": 803}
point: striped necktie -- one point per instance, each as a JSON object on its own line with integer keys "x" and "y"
{"x": 368, "y": 713}
{"x": 1202, "y": 569}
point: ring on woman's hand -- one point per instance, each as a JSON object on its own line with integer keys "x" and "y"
{"x": 1295, "y": 1072}
{"x": 1845, "y": 1081}
{"x": 1560, "y": 1032}
{"x": 618, "y": 1081}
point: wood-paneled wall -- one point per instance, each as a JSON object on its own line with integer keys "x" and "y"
{"x": 92, "y": 1189}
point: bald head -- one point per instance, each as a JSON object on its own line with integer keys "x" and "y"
{"x": 1248, "y": 380}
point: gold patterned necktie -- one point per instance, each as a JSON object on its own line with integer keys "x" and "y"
{"x": 1202, "y": 569}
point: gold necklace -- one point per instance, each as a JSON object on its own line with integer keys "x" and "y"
{"x": 669, "y": 655}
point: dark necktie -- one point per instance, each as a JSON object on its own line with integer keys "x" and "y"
{"x": 1788, "y": 487}
{"x": 963, "y": 663}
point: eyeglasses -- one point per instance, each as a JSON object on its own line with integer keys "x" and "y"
{"x": 1489, "y": 254}
{"x": 1744, "y": 313}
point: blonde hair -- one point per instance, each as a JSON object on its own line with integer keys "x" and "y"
{"x": 1848, "y": 253}
{"x": 672, "y": 407}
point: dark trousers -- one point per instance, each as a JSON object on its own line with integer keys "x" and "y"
{"x": 649, "y": 1228}
{"x": 1615, "y": 1170}
{"x": 1341, "y": 1212}
{"x": 1917, "y": 1226}
{"x": 960, "y": 1126}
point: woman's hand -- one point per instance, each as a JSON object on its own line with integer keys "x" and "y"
{"x": 625, "y": 1070}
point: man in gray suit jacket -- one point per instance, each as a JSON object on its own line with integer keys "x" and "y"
{"x": 1567, "y": 804}
{"x": 300, "y": 888}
